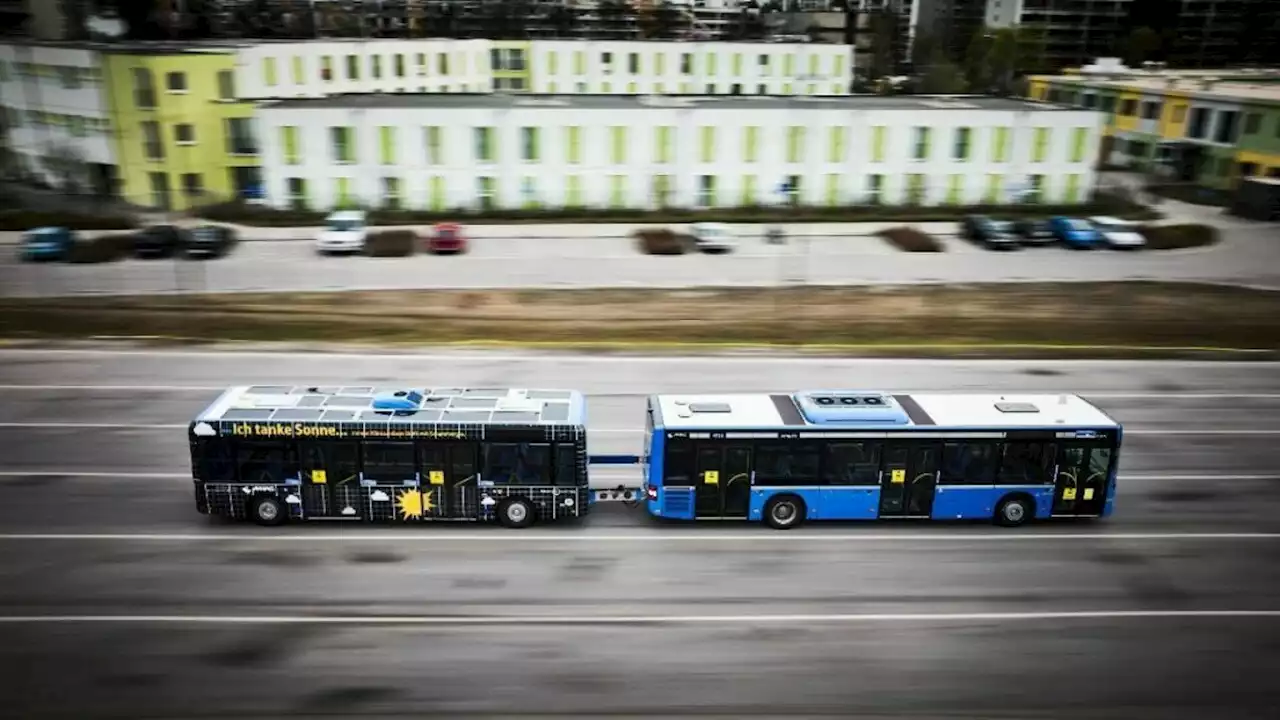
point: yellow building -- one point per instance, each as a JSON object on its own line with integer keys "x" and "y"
{"x": 182, "y": 138}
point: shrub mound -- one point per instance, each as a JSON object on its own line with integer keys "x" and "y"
{"x": 19, "y": 220}
{"x": 661, "y": 241}
{"x": 391, "y": 243}
{"x": 1178, "y": 237}
{"x": 101, "y": 249}
{"x": 909, "y": 239}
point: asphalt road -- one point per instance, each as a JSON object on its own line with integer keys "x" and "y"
{"x": 1247, "y": 255}
{"x": 117, "y": 600}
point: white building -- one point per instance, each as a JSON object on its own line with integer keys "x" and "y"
{"x": 443, "y": 152}
{"x": 55, "y": 105}
{"x": 273, "y": 70}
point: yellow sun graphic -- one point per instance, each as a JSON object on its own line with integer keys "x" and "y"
{"x": 413, "y": 503}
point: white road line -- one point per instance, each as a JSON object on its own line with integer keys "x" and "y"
{"x": 1244, "y": 432}
{"x": 392, "y": 535}
{"x": 584, "y": 619}
{"x": 561, "y": 358}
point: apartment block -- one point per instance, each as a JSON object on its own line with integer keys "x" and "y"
{"x": 443, "y": 152}
{"x": 1075, "y": 30}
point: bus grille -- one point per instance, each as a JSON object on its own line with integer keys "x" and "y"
{"x": 677, "y": 502}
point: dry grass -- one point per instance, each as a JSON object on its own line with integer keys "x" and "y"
{"x": 1129, "y": 314}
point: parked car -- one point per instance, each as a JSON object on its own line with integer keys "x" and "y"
{"x": 712, "y": 237}
{"x": 212, "y": 241}
{"x": 1034, "y": 232}
{"x": 1119, "y": 234}
{"x": 446, "y": 238}
{"x": 344, "y": 231}
{"x": 159, "y": 241}
{"x": 994, "y": 234}
{"x": 47, "y": 243}
{"x": 1074, "y": 232}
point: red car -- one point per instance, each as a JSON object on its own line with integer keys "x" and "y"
{"x": 446, "y": 238}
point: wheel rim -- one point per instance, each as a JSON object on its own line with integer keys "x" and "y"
{"x": 1013, "y": 512}
{"x": 516, "y": 512}
{"x": 783, "y": 513}
{"x": 267, "y": 511}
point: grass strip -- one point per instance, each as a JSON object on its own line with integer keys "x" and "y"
{"x": 1051, "y": 319}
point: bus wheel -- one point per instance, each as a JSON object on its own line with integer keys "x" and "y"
{"x": 266, "y": 510}
{"x": 784, "y": 512}
{"x": 515, "y": 513}
{"x": 1014, "y": 511}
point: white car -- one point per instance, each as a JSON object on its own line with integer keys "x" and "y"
{"x": 344, "y": 231}
{"x": 712, "y": 237}
{"x": 1119, "y": 234}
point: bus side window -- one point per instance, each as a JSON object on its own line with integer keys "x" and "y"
{"x": 566, "y": 464}
{"x": 1027, "y": 463}
{"x": 518, "y": 463}
{"x": 851, "y": 464}
{"x": 787, "y": 464}
{"x": 968, "y": 463}
{"x": 677, "y": 470}
{"x": 1100, "y": 461}
{"x": 340, "y": 460}
{"x": 266, "y": 462}
{"x": 215, "y": 460}
{"x": 463, "y": 459}
{"x": 389, "y": 461}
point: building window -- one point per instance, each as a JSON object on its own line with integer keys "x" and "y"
{"x": 191, "y": 185}
{"x": 1150, "y": 110}
{"x": 961, "y": 149}
{"x": 920, "y": 143}
{"x": 442, "y": 64}
{"x": 391, "y": 193}
{"x": 184, "y": 134}
{"x": 1040, "y": 149}
{"x": 144, "y": 93}
{"x": 343, "y": 152}
{"x": 375, "y": 66}
{"x": 159, "y": 189}
{"x": 1252, "y": 123}
{"x": 1228, "y": 126}
{"x": 793, "y": 189}
{"x": 706, "y": 190}
{"x": 1128, "y": 107}
{"x": 296, "y": 193}
{"x": 686, "y": 63}
{"x": 326, "y": 67}
{"x": 176, "y": 82}
{"x": 1198, "y": 128}
{"x": 269, "y": 71}
{"x": 434, "y": 155}
{"x": 529, "y": 191}
{"x": 70, "y": 77}
{"x": 633, "y": 63}
{"x": 485, "y": 191}
{"x": 529, "y": 144}
{"x": 795, "y": 144}
{"x": 240, "y": 139}
{"x": 1036, "y": 193}
{"x": 606, "y": 59}
{"x": 484, "y": 144}
{"x": 151, "y": 140}
{"x": 226, "y": 85}
{"x": 353, "y": 67}
{"x": 915, "y": 189}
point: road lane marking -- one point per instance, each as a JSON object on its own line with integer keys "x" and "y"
{"x": 1244, "y": 432}
{"x": 586, "y": 619}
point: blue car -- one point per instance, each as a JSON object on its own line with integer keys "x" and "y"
{"x": 1074, "y": 232}
{"x": 47, "y": 243}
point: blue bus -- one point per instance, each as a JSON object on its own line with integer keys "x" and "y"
{"x": 865, "y": 455}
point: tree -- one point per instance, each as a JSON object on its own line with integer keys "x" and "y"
{"x": 1143, "y": 44}
{"x": 884, "y": 31}
{"x": 64, "y": 163}
{"x": 942, "y": 77}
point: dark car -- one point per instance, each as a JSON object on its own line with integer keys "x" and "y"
{"x": 210, "y": 241}
{"x": 993, "y": 234}
{"x": 1034, "y": 232}
{"x": 159, "y": 241}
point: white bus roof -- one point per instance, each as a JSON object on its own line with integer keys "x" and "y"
{"x": 875, "y": 410}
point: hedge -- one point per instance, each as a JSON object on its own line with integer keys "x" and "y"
{"x": 909, "y": 239}
{"x": 242, "y": 214}
{"x": 391, "y": 243}
{"x": 1178, "y": 237}
{"x": 661, "y": 241}
{"x": 101, "y": 249}
{"x": 20, "y": 220}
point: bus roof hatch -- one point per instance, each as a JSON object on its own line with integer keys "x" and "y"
{"x": 850, "y": 407}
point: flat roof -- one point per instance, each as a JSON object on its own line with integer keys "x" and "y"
{"x": 935, "y": 411}
{"x": 355, "y": 404}
{"x": 1193, "y": 87}
{"x": 500, "y": 101}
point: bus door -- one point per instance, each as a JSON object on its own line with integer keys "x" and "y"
{"x": 330, "y": 478}
{"x": 1081, "y": 486}
{"x": 908, "y": 477}
{"x": 723, "y": 480}
{"x": 448, "y": 480}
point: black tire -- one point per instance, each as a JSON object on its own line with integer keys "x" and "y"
{"x": 1014, "y": 511}
{"x": 516, "y": 513}
{"x": 784, "y": 512}
{"x": 267, "y": 510}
